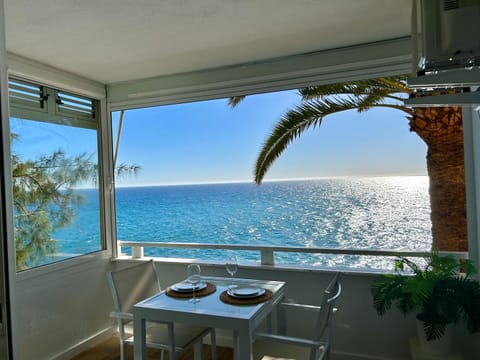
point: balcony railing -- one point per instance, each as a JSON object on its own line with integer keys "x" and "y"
{"x": 267, "y": 253}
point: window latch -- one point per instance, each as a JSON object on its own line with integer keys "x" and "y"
{"x": 43, "y": 98}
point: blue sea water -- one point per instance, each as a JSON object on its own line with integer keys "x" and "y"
{"x": 365, "y": 213}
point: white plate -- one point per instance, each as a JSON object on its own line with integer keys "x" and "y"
{"x": 187, "y": 287}
{"x": 245, "y": 292}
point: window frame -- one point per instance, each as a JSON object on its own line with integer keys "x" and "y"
{"x": 383, "y": 58}
{"x": 267, "y": 253}
{"x": 50, "y": 112}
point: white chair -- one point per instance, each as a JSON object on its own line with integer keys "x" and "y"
{"x": 280, "y": 345}
{"x": 136, "y": 283}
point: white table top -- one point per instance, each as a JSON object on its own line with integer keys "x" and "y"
{"x": 210, "y": 311}
{"x": 211, "y": 304}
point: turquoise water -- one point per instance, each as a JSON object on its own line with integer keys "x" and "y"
{"x": 365, "y": 213}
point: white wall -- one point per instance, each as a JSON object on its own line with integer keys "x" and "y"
{"x": 61, "y": 305}
{"x": 357, "y": 330}
{"x": 6, "y": 223}
{"x": 60, "y": 309}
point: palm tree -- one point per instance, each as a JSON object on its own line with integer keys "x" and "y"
{"x": 439, "y": 127}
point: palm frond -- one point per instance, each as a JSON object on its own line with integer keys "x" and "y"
{"x": 434, "y": 331}
{"x": 385, "y": 291}
{"x": 377, "y": 96}
{"x": 293, "y": 124}
{"x": 233, "y": 101}
{"x": 396, "y": 84}
{"x": 465, "y": 293}
{"x": 387, "y": 86}
{"x": 123, "y": 169}
{"x": 436, "y": 290}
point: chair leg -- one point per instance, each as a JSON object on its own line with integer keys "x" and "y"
{"x": 122, "y": 350}
{"x": 171, "y": 342}
{"x": 162, "y": 354}
{"x": 325, "y": 353}
{"x": 121, "y": 336}
{"x": 198, "y": 350}
{"x": 213, "y": 342}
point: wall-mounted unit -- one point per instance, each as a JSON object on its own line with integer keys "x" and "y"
{"x": 447, "y": 34}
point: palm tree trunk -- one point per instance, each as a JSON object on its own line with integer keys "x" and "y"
{"x": 442, "y": 130}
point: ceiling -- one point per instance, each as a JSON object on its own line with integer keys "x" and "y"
{"x": 112, "y": 41}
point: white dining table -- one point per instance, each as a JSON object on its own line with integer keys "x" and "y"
{"x": 210, "y": 311}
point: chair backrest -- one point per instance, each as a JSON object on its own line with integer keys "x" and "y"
{"x": 330, "y": 296}
{"x": 133, "y": 284}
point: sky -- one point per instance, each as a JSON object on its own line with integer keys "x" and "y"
{"x": 206, "y": 142}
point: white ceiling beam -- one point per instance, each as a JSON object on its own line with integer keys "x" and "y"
{"x": 377, "y": 59}
{"x": 30, "y": 70}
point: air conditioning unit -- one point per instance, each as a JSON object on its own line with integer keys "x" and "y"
{"x": 447, "y": 35}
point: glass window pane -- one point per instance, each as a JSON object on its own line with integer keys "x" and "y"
{"x": 358, "y": 182}
{"x": 56, "y": 197}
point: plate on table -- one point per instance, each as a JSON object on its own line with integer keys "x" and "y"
{"x": 187, "y": 287}
{"x": 245, "y": 292}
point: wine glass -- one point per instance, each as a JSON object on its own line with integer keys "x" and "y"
{"x": 193, "y": 277}
{"x": 232, "y": 267}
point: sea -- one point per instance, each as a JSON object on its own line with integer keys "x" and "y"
{"x": 342, "y": 213}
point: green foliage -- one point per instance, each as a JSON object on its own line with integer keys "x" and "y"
{"x": 124, "y": 169}
{"x": 323, "y": 100}
{"x": 44, "y": 200}
{"x": 440, "y": 290}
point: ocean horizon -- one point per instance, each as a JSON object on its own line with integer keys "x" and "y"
{"x": 250, "y": 181}
{"x": 381, "y": 212}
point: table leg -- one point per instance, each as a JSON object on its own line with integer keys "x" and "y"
{"x": 243, "y": 345}
{"x": 235, "y": 345}
{"x": 198, "y": 350}
{"x": 139, "y": 339}
{"x": 171, "y": 342}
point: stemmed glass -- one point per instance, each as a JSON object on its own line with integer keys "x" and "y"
{"x": 232, "y": 267}
{"x": 193, "y": 277}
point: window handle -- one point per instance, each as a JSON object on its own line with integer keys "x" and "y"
{"x": 2, "y": 329}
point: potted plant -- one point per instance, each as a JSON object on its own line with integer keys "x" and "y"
{"x": 438, "y": 288}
